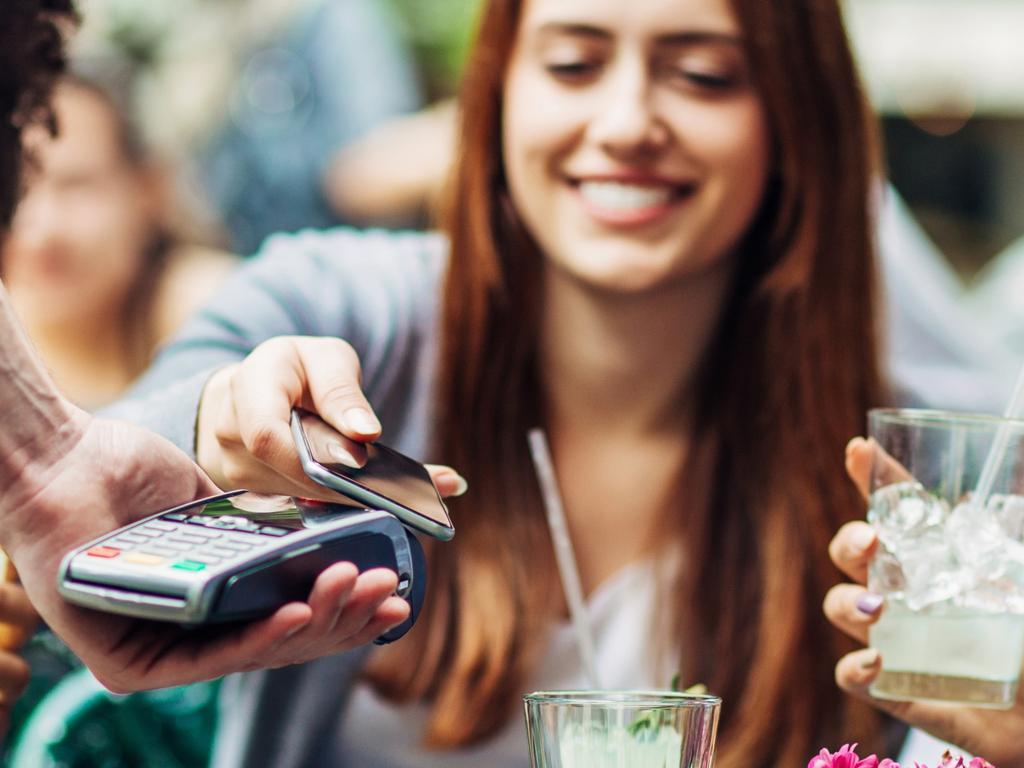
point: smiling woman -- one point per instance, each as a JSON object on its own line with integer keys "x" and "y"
{"x": 652, "y": 153}
{"x": 658, "y": 249}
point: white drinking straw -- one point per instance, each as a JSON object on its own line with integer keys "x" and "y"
{"x": 564, "y": 554}
{"x": 997, "y": 453}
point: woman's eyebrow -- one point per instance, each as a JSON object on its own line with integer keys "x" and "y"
{"x": 684, "y": 37}
{"x": 698, "y": 37}
{"x": 575, "y": 29}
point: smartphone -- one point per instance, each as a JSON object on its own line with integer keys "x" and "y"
{"x": 371, "y": 475}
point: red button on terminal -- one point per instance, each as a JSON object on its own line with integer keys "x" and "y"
{"x": 103, "y": 552}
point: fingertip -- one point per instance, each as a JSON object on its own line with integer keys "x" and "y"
{"x": 392, "y": 612}
{"x": 361, "y": 421}
{"x": 852, "y": 544}
{"x": 870, "y": 603}
{"x": 398, "y": 605}
{"x": 379, "y": 579}
{"x": 861, "y": 537}
{"x": 293, "y": 614}
{"x": 343, "y": 571}
{"x": 869, "y": 659}
{"x": 859, "y": 452}
{"x": 857, "y": 670}
{"x": 451, "y": 484}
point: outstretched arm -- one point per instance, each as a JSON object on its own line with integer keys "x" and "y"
{"x": 67, "y": 477}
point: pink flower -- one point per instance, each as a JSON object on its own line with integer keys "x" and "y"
{"x": 947, "y": 762}
{"x": 846, "y": 758}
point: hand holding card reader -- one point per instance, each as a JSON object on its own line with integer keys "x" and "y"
{"x": 238, "y": 556}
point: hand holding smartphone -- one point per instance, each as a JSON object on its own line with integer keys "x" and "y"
{"x": 371, "y": 475}
{"x": 237, "y": 556}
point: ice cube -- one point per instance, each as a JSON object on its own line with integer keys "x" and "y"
{"x": 933, "y": 573}
{"x": 989, "y": 553}
{"x": 904, "y": 511}
{"x": 1009, "y": 512}
{"x": 933, "y": 588}
{"x": 885, "y": 575}
{"x": 977, "y": 540}
{"x": 970, "y": 556}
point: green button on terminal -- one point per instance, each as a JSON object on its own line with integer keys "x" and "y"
{"x": 189, "y": 565}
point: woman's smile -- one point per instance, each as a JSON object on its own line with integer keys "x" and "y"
{"x": 630, "y": 200}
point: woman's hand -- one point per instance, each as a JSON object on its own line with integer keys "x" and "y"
{"x": 998, "y": 735}
{"x": 17, "y": 620}
{"x": 243, "y": 435}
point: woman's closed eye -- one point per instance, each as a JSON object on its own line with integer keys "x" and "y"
{"x": 706, "y": 69}
{"x": 712, "y": 81}
{"x": 573, "y": 70}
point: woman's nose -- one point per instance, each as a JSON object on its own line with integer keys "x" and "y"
{"x": 627, "y": 122}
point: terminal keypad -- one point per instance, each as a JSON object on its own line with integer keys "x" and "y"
{"x": 188, "y": 543}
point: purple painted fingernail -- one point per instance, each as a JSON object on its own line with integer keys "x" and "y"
{"x": 869, "y": 603}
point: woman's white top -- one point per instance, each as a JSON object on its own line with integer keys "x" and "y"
{"x": 378, "y": 734}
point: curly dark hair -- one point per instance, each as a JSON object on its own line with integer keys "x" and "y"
{"x": 32, "y": 36}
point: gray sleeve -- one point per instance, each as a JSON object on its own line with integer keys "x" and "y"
{"x": 377, "y": 290}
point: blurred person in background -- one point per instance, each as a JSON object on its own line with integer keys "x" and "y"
{"x": 340, "y": 68}
{"x": 394, "y": 174}
{"x": 91, "y": 264}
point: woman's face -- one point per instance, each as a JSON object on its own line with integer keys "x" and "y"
{"x": 635, "y": 148}
{"x": 77, "y": 240}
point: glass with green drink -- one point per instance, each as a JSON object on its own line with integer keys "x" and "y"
{"x": 621, "y": 729}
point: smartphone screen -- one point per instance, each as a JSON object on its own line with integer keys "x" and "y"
{"x": 374, "y": 468}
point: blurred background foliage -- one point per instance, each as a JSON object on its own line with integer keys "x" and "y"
{"x": 439, "y": 32}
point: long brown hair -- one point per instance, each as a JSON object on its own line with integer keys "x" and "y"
{"x": 787, "y": 382}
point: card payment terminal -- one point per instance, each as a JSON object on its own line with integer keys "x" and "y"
{"x": 237, "y": 556}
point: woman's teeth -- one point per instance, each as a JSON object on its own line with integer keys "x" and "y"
{"x": 617, "y": 196}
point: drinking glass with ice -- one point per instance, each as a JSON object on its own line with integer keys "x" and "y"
{"x": 947, "y": 504}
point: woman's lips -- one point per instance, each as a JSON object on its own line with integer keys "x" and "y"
{"x": 630, "y": 202}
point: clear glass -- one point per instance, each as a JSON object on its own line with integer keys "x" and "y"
{"x": 951, "y": 569}
{"x": 621, "y": 729}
